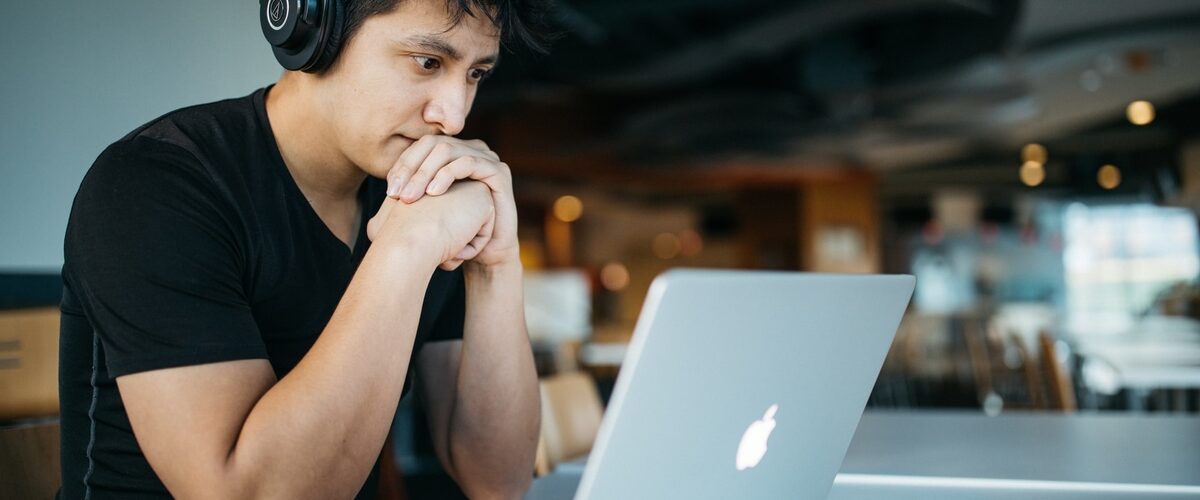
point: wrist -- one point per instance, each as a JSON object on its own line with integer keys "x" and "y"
{"x": 408, "y": 252}
{"x": 508, "y": 270}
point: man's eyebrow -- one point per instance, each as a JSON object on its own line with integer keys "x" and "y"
{"x": 443, "y": 48}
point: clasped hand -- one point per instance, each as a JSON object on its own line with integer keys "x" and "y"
{"x": 473, "y": 221}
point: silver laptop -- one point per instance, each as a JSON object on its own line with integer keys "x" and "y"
{"x": 743, "y": 385}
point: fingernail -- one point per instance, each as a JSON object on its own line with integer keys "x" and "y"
{"x": 434, "y": 187}
{"x": 393, "y": 187}
{"x": 411, "y": 191}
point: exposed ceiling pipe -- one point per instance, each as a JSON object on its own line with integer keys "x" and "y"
{"x": 768, "y": 37}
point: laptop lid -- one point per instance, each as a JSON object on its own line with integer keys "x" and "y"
{"x": 743, "y": 384}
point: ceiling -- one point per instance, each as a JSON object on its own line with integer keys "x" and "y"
{"x": 884, "y": 85}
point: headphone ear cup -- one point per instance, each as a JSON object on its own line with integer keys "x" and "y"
{"x": 333, "y": 39}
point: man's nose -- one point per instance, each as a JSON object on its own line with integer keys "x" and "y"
{"x": 447, "y": 109}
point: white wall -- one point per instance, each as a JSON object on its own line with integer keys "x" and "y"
{"x": 78, "y": 75}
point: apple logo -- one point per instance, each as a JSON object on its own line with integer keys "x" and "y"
{"x": 754, "y": 442}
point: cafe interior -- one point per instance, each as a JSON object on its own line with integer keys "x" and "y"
{"x": 1035, "y": 164}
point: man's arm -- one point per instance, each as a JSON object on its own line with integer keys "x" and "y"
{"x": 230, "y": 430}
{"x": 481, "y": 394}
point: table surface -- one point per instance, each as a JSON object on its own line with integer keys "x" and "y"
{"x": 1110, "y": 452}
{"x": 1154, "y": 353}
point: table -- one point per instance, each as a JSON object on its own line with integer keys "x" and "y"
{"x": 1155, "y": 353}
{"x": 939, "y": 454}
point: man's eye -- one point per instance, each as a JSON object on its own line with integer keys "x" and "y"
{"x": 479, "y": 74}
{"x": 427, "y": 63}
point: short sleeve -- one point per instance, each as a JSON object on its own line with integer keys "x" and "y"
{"x": 153, "y": 252}
{"x": 451, "y": 319}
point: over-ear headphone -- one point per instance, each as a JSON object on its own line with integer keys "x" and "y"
{"x": 304, "y": 34}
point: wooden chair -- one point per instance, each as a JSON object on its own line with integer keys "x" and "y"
{"x": 29, "y": 363}
{"x": 29, "y": 460}
{"x": 1060, "y": 388}
{"x": 571, "y": 413}
{"x": 391, "y": 479}
{"x": 29, "y": 429}
{"x": 1003, "y": 368}
{"x": 981, "y": 363}
{"x": 1034, "y": 387}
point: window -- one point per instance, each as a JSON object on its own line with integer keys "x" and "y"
{"x": 1118, "y": 258}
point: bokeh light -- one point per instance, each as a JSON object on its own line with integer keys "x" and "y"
{"x": 666, "y": 246}
{"x": 1034, "y": 152}
{"x": 1140, "y": 112}
{"x": 568, "y": 208}
{"x": 1109, "y": 177}
{"x": 614, "y": 276}
{"x": 690, "y": 243}
{"x": 1032, "y": 173}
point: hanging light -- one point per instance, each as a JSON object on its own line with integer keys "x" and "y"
{"x": 1032, "y": 173}
{"x": 1140, "y": 112}
{"x": 1034, "y": 152}
{"x": 1109, "y": 177}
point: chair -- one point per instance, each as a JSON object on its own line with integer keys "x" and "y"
{"x": 29, "y": 460}
{"x": 1061, "y": 390}
{"x": 571, "y": 413}
{"x": 29, "y": 363}
{"x": 1034, "y": 387}
{"x": 1004, "y": 371}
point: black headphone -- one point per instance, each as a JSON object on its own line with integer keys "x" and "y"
{"x": 304, "y": 34}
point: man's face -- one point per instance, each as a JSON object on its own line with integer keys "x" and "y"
{"x": 404, "y": 75}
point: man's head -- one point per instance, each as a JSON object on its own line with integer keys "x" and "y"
{"x": 408, "y": 68}
{"x": 515, "y": 20}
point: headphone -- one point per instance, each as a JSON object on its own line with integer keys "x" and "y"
{"x": 304, "y": 34}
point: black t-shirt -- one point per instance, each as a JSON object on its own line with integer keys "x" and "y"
{"x": 189, "y": 243}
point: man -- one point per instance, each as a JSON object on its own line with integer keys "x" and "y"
{"x": 227, "y": 330}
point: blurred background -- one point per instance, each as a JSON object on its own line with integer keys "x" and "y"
{"x": 1035, "y": 163}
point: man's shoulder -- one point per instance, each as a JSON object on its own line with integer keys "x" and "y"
{"x": 205, "y": 129}
{"x": 204, "y": 144}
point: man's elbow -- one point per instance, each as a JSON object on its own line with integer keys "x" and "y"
{"x": 513, "y": 487}
{"x": 505, "y": 479}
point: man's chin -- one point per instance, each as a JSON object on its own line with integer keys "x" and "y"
{"x": 376, "y": 172}
{"x": 396, "y": 146}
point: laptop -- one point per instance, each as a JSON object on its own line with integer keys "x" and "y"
{"x": 743, "y": 384}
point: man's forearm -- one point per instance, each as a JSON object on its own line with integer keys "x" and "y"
{"x": 318, "y": 431}
{"x": 496, "y": 417}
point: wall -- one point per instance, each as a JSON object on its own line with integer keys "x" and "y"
{"x": 79, "y": 75}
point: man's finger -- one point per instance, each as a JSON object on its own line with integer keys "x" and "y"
{"x": 458, "y": 163}
{"x": 443, "y": 149}
{"x": 466, "y": 167}
{"x": 408, "y": 163}
{"x": 441, "y": 155}
{"x": 480, "y": 241}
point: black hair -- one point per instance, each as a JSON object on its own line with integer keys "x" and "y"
{"x": 520, "y": 22}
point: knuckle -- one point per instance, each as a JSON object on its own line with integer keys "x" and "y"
{"x": 399, "y": 171}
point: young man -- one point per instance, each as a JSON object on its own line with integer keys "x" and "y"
{"x": 244, "y": 306}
